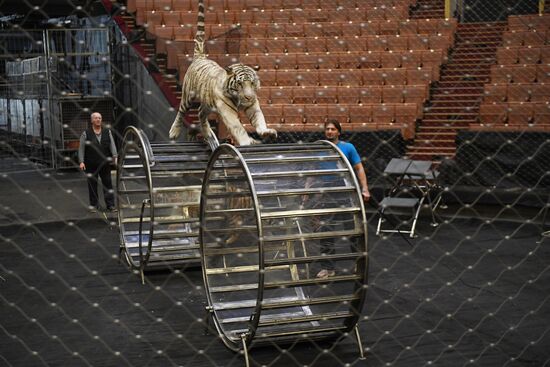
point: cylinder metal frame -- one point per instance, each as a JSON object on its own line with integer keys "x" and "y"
{"x": 158, "y": 193}
{"x": 271, "y": 217}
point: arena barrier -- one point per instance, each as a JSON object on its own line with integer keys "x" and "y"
{"x": 265, "y": 210}
{"x": 158, "y": 187}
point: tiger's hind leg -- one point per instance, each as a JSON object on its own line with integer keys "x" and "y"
{"x": 177, "y": 125}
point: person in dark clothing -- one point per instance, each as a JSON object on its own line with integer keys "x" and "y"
{"x": 96, "y": 153}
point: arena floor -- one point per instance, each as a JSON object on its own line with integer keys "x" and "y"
{"x": 472, "y": 291}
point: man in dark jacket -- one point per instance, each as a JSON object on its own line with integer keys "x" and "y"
{"x": 96, "y": 153}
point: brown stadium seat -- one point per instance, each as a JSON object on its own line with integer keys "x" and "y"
{"x": 313, "y": 30}
{"x": 390, "y": 59}
{"x": 392, "y": 94}
{"x": 512, "y": 38}
{"x": 265, "y": 62}
{"x": 439, "y": 42}
{"x": 172, "y": 18}
{"x": 282, "y": 60}
{"x": 280, "y": 95}
{"x": 534, "y": 38}
{"x": 415, "y": 94}
{"x": 371, "y": 28}
{"x": 495, "y": 93}
{"x": 427, "y": 26}
{"x": 316, "y": 45}
{"x": 372, "y": 77}
{"x": 264, "y": 95}
{"x": 383, "y": 114}
{"x": 152, "y": 18}
{"x": 389, "y": 27}
{"x": 500, "y": 74}
{"x": 255, "y": 45}
{"x": 316, "y": 61}
{"x": 395, "y": 76}
{"x": 524, "y": 73}
{"x": 370, "y": 59}
{"x": 303, "y": 95}
{"x": 163, "y": 35}
{"x": 352, "y": 29}
{"x": 268, "y": 77}
{"x": 507, "y": 55}
{"x": 529, "y": 55}
{"x": 339, "y": 112}
{"x": 398, "y": 43}
{"x": 408, "y": 27}
{"x": 493, "y": 113}
{"x": 432, "y": 58}
{"x": 370, "y": 94}
{"x": 294, "y": 114}
{"x": 411, "y": 59}
{"x": 377, "y": 43}
{"x": 347, "y": 60}
{"x": 316, "y": 114}
{"x": 519, "y": 92}
{"x": 177, "y": 50}
{"x": 338, "y": 44}
{"x": 348, "y": 94}
{"x": 361, "y": 115}
{"x": 520, "y": 113}
{"x": 418, "y": 42}
{"x": 419, "y": 75}
{"x": 540, "y": 93}
{"x": 543, "y": 73}
{"x": 270, "y": 30}
{"x": 541, "y": 114}
{"x": 273, "y": 113}
{"x": 163, "y": 5}
{"x": 545, "y": 54}
{"x": 294, "y": 45}
{"x": 376, "y": 13}
{"x": 183, "y": 33}
{"x": 326, "y": 95}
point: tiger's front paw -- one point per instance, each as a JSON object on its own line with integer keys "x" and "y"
{"x": 175, "y": 131}
{"x": 267, "y": 133}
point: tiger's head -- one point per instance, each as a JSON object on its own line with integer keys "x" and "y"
{"x": 242, "y": 84}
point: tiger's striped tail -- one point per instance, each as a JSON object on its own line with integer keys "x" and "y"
{"x": 199, "y": 37}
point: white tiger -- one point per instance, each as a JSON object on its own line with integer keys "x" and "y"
{"x": 225, "y": 91}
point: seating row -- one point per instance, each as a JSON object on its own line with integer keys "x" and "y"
{"x": 529, "y": 22}
{"x": 314, "y": 44}
{"x": 351, "y": 77}
{"x": 520, "y": 73}
{"x": 515, "y": 113}
{"x": 345, "y": 94}
{"x": 291, "y": 16}
{"x": 530, "y": 92}
{"x": 179, "y": 58}
{"x": 523, "y": 55}
{"x": 526, "y": 38}
{"x": 133, "y": 5}
{"x": 352, "y": 117}
{"x": 337, "y": 60}
{"x": 319, "y": 29}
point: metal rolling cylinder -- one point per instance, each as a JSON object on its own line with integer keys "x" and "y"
{"x": 158, "y": 187}
{"x": 273, "y": 216}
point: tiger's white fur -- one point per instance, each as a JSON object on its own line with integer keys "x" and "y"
{"x": 225, "y": 91}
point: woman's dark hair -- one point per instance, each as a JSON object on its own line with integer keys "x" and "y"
{"x": 336, "y": 125}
